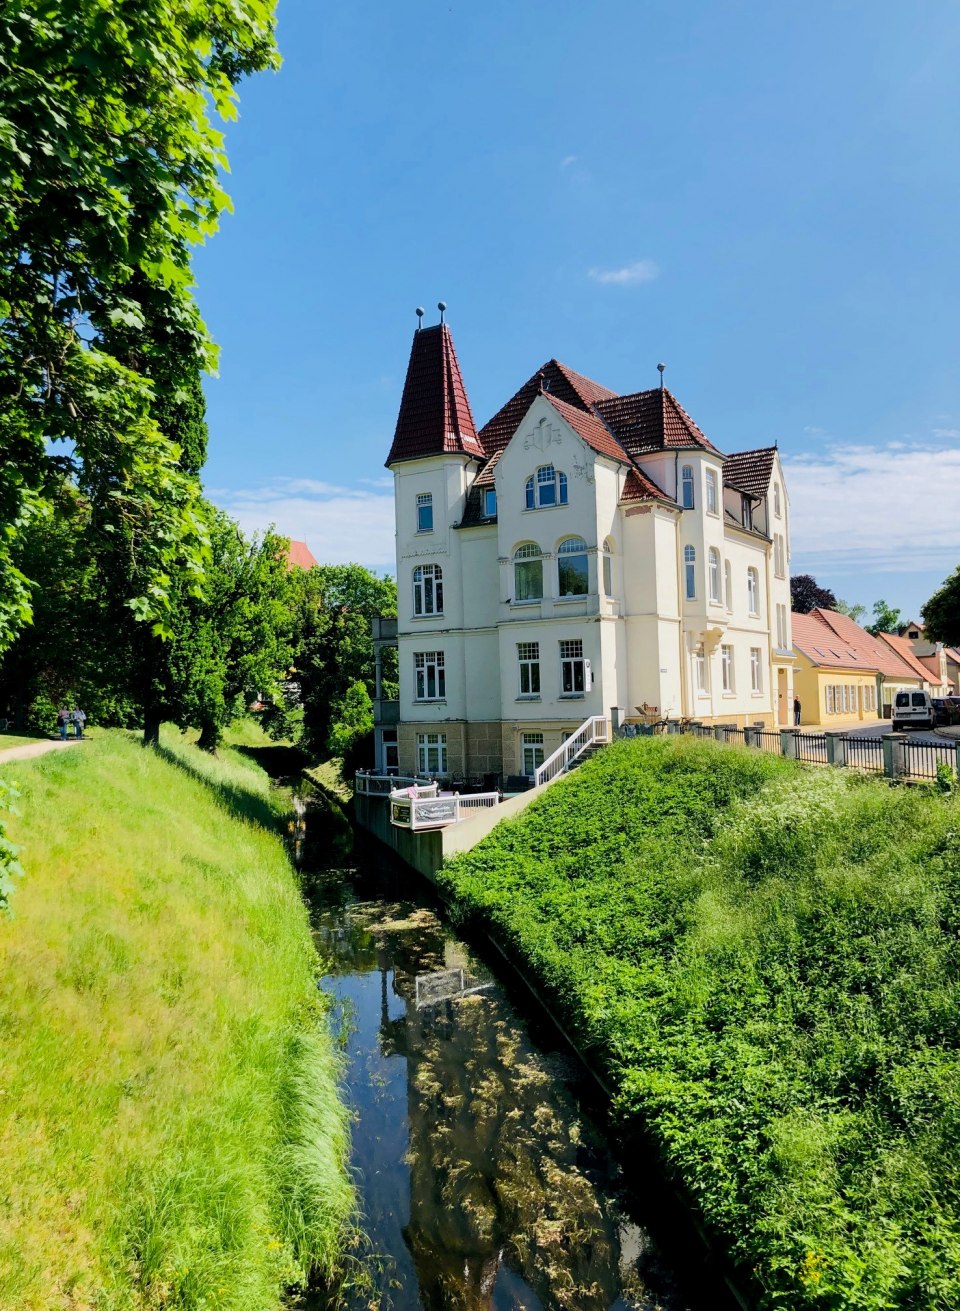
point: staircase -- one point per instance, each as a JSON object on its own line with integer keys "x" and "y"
{"x": 592, "y": 734}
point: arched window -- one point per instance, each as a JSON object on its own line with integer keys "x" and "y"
{"x": 608, "y": 568}
{"x": 728, "y": 584}
{"x": 572, "y": 569}
{"x": 713, "y": 557}
{"x": 428, "y": 590}
{"x": 528, "y": 572}
{"x": 548, "y": 487}
{"x": 753, "y": 591}
{"x": 686, "y": 480}
{"x": 690, "y": 569}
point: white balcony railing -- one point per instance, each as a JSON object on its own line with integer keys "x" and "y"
{"x": 416, "y": 808}
{"x": 381, "y": 785}
{"x": 593, "y": 732}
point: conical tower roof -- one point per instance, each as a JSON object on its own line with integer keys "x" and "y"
{"x": 435, "y": 416}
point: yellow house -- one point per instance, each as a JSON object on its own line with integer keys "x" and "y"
{"x": 843, "y": 675}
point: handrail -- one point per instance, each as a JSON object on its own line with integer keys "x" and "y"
{"x": 592, "y": 732}
{"x": 420, "y": 808}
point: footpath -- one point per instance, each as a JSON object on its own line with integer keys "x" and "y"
{"x": 34, "y": 749}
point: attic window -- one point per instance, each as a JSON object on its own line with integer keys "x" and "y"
{"x": 747, "y": 506}
{"x": 819, "y": 652}
{"x": 490, "y": 502}
{"x": 548, "y": 488}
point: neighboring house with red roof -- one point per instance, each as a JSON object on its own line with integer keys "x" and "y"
{"x": 299, "y": 556}
{"x": 931, "y": 669}
{"x": 580, "y": 551}
{"x": 845, "y": 676}
{"x": 942, "y": 661}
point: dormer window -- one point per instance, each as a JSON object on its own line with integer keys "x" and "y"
{"x": 425, "y": 512}
{"x": 490, "y": 502}
{"x": 546, "y": 488}
{"x": 686, "y": 483}
{"x": 747, "y": 507}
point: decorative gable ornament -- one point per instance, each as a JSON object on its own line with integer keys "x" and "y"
{"x": 544, "y": 436}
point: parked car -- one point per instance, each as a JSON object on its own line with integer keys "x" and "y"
{"x": 913, "y": 710}
{"x": 946, "y": 710}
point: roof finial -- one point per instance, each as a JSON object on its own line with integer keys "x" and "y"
{"x": 661, "y": 367}
{"x": 441, "y": 306}
{"x": 543, "y": 380}
{"x": 419, "y": 317}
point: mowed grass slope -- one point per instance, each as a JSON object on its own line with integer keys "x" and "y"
{"x": 171, "y": 1133}
{"x": 764, "y": 961}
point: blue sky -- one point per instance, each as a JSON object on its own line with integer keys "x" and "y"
{"x": 766, "y": 197}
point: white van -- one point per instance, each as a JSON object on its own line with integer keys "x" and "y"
{"x": 913, "y": 710}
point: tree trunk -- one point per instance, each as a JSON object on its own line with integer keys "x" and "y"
{"x": 151, "y": 728}
{"x": 209, "y": 736}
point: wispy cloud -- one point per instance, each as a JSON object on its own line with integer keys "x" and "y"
{"x": 891, "y": 507}
{"x": 339, "y": 524}
{"x": 946, "y": 432}
{"x": 641, "y": 270}
{"x": 568, "y": 160}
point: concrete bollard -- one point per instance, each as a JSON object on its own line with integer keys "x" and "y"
{"x": 751, "y": 737}
{"x": 894, "y": 754}
{"x": 720, "y": 732}
{"x": 836, "y": 747}
{"x": 788, "y": 743}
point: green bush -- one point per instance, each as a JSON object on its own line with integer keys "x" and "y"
{"x": 764, "y": 961}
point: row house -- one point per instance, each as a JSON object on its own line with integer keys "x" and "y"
{"x": 582, "y": 553}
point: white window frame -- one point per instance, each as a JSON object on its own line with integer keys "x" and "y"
{"x": 537, "y": 485}
{"x": 427, "y": 586}
{"x": 688, "y": 495}
{"x": 727, "y": 668}
{"x": 528, "y": 670}
{"x": 753, "y": 591}
{"x": 690, "y": 572}
{"x": 712, "y": 499}
{"x": 431, "y": 743}
{"x": 573, "y": 668}
{"x": 424, "y": 509}
{"x": 779, "y": 562}
{"x": 746, "y": 511}
{"x": 607, "y": 569}
{"x": 531, "y": 753}
{"x": 526, "y": 554}
{"x": 713, "y": 572}
{"x": 728, "y": 584}
{"x": 700, "y": 671}
{"x": 756, "y": 669}
{"x": 573, "y": 548}
{"x": 429, "y": 667}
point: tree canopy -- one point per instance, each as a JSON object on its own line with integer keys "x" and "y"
{"x": 885, "y": 619}
{"x": 941, "y": 614}
{"x": 807, "y": 595}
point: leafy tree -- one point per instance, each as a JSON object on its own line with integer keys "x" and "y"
{"x": 886, "y": 619}
{"x": 333, "y": 606}
{"x": 109, "y": 173}
{"x": 941, "y": 614}
{"x": 806, "y": 595}
{"x": 351, "y": 719}
{"x": 854, "y": 612}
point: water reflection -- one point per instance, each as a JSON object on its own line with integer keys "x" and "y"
{"x": 483, "y": 1184}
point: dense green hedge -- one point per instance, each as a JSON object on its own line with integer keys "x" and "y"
{"x": 764, "y": 960}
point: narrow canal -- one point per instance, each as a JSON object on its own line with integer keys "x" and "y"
{"x": 484, "y": 1181}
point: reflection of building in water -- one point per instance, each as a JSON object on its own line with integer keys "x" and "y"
{"x": 498, "y": 1175}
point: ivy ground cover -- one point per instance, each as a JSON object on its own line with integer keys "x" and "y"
{"x": 764, "y": 960}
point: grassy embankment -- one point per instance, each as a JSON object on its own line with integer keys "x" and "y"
{"x": 764, "y": 961}
{"x": 170, "y": 1127}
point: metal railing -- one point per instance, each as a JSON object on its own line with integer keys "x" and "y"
{"x": 381, "y": 785}
{"x": 413, "y": 808}
{"x": 811, "y": 747}
{"x": 863, "y": 752}
{"x": 922, "y": 758}
{"x": 768, "y": 740}
{"x": 594, "y": 731}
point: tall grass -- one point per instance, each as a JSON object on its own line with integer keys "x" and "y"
{"x": 765, "y": 962}
{"x": 170, "y": 1126}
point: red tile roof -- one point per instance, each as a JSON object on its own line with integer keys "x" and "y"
{"x": 638, "y": 487}
{"x": 750, "y": 471}
{"x": 561, "y": 382}
{"x": 434, "y": 411}
{"x": 652, "y": 421}
{"x": 593, "y": 430}
{"x": 834, "y": 640}
{"x": 901, "y": 647}
{"x": 299, "y": 556}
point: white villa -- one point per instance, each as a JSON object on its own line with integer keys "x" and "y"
{"x": 583, "y": 554}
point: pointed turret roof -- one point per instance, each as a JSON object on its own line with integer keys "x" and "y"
{"x": 652, "y": 421}
{"x": 435, "y": 416}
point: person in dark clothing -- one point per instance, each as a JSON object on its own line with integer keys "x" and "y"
{"x": 63, "y": 718}
{"x": 796, "y": 710}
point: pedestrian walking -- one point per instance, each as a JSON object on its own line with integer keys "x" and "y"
{"x": 796, "y": 710}
{"x": 79, "y": 719}
{"x": 63, "y": 718}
